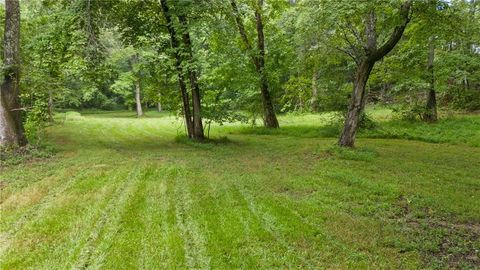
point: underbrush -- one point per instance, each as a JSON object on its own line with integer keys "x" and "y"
{"x": 17, "y": 155}
{"x": 454, "y": 130}
{"x": 460, "y": 129}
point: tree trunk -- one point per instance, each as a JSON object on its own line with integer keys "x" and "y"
{"x": 314, "y": 100}
{"x": 178, "y": 65}
{"x": 365, "y": 64}
{"x": 269, "y": 117}
{"x": 196, "y": 98}
{"x": 347, "y": 139}
{"x": 11, "y": 125}
{"x": 138, "y": 100}
{"x": 430, "y": 114}
{"x": 159, "y": 107}
{"x": 50, "y": 106}
{"x": 8, "y": 134}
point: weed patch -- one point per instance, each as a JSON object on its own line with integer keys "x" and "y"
{"x": 442, "y": 242}
{"x": 17, "y": 155}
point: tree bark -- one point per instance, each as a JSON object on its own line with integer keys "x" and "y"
{"x": 8, "y": 134}
{"x": 178, "y": 65}
{"x": 314, "y": 100}
{"x": 430, "y": 114}
{"x": 270, "y": 118}
{"x": 159, "y": 107}
{"x": 11, "y": 125}
{"x": 195, "y": 88}
{"x": 365, "y": 64}
{"x": 50, "y": 106}
{"x": 356, "y": 105}
{"x": 138, "y": 100}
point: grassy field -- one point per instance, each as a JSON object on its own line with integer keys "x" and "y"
{"x": 126, "y": 193}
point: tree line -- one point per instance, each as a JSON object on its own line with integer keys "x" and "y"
{"x": 237, "y": 60}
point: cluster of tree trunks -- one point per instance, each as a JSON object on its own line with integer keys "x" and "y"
{"x": 182, "y": 52}
{"x": 11, "y": 126}
{"x": 258, "y": 59}
{"x": 365, "y": 63}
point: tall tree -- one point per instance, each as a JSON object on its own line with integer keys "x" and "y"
{"x": 138, "y": 89}
{"x": 365, "y": 60}
{"x": 11, "y": 125}
{"x": 176, "y": 47}
{"x": 258, "y": 59}
{"x": 192, "y": 75}
{"x": 430, "y": 114}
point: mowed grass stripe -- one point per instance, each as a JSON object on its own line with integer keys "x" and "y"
{"x": 196, "y": 256}
{"x": 94, "y": 252}
{"x": 236, "y": 238}
{"x": 16, "y": 221}
{"x": 76, "y": 205}
{"x": 154, "y": 254}
{"x": 90, "y": 223}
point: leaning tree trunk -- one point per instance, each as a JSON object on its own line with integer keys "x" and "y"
{"x": 11, "y": 125}
{"x": 365, "y": 64}
{"x": 195, "y": 88}
{"x": 357, "y": 104}
{"x": 178, "y": 66}
{"x": 138, "y": 100}
{"x": 430, "y": 114}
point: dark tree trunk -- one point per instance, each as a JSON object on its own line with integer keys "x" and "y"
{"x": 138, "y": 100}
{"x": 178, "y": 65}
{"x": 50, "y": 106}
{"x": 11, "y": 125}
{"x": 365, "y": 64}
{"x": 356, "y": 105}
{"x": 430, "y": 114}
{"x": 196, "y": 98}
{"x": 314, "y": 100}
{"x": 270, "y": 118}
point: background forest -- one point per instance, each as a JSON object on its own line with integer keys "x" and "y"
{"x": 110, "y": 55}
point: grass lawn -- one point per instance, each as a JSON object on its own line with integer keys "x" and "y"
{"x": 126, "y": 193}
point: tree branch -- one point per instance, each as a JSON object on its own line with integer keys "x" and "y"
{"x": 397, "y": 32}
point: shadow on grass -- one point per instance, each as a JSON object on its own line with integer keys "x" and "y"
{"x": 357, "y": 154}
{"x": 328, "y": 131}
{"x": 207, "y": 143}
{"x": 461, "y": 130}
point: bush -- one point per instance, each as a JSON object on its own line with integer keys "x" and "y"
{"x": 37, "y": 117}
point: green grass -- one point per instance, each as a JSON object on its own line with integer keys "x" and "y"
{"x": 126, "y": 193}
